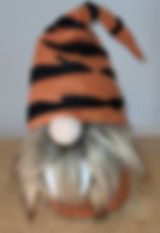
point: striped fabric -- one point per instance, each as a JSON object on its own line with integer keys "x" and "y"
{"x": 72, "y": 73}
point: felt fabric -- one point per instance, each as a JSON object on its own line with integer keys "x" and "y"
{"x": 72, "y": 73}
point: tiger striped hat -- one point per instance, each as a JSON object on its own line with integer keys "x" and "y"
{"x": 72, "y": 74}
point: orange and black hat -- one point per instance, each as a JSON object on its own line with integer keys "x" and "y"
{"x": 72, "y": 73}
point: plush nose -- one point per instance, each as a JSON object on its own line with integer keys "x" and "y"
{"x": 65, "y": 130}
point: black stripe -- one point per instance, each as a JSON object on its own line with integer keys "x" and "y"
{"x": 73, "y": 102}
{"x": 79, "y": 47}
{"x": 119, "y": 25}
{"x": 93, "y": 9}
{"x": 41, "y": 72}
{"x": 65, "y": 22}
{"x": 109, "y": 72}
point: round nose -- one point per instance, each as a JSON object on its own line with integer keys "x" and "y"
{"x": 65, "y": 130}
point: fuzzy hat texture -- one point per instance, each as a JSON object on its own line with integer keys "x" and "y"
{"x": 72, "y": 73}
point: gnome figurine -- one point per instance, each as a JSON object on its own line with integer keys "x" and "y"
{"x": 79, "y": 150}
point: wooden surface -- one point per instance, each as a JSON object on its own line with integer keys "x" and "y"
{"x": 140, "y": 214}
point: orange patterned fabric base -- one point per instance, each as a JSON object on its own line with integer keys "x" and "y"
{"x": 86, "y": 210}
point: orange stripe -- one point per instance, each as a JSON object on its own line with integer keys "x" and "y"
{"x": 44, "y": 55}
{"x": 64, "y": 35}
{"x": 79, "y": 84}
{"x": 107, "y": 18}
{"x": 81, "y": 14}
{"x": 126, "y": 38}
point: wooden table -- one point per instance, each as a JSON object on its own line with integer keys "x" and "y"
{"x": 140, "y": 214}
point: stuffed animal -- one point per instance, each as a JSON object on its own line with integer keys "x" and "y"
{"x": 79, "y": 149}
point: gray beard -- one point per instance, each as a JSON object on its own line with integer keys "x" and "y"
{"x": 86, "y": 171}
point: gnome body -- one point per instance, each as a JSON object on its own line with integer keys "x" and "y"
{"x": 79, "y": 145}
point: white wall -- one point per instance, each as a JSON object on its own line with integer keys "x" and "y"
{"x": 22, "y": 20}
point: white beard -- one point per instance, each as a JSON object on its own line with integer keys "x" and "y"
{"x": 88, "y": 170}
